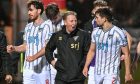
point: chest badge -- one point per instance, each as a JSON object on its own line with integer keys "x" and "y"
{"x": 75, "y": 37}
{"x": 110, "y": 36}
{"x": 60, "y": 38}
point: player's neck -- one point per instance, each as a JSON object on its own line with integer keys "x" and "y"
{"x": 107, "y": 26}
{"x": 38, "y": 21}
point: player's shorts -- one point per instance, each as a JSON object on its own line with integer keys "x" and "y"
{"x": 107, "y": 79}
{"x": 91, "y": 76}
{"x": 53, "y": 74}
{"x": 31, "y": 77}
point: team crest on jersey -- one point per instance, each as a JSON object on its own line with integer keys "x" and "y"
{"x": 97, "y": 35}
{"x": 110, "y": 36}
{"x": 60, "y": 38}
{"x": 29, "y": 30}
{"x": 40, "y": 29}
{"x": 75, "y": 37}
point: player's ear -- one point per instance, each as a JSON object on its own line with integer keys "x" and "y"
{"x": 39, "y": 11}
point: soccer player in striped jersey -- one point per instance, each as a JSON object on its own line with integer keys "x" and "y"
{"x": 98, "y": 4}
{"x": 36, "y": 35}
{"x": 55, "y": 21}
{"x": 107, "y": 43}
{"x": 54, "y": 17}
{"x": 89, "y": 27}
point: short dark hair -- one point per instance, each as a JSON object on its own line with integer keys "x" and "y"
{"x": 37, "y": 5}
{"x": 105, "y": 12}
{"x": 51, "y": 10}
{"x": 69, "y": 13}
{"x": 100, "y": 3}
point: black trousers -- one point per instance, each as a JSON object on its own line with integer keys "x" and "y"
{"x": 64, "y": 82}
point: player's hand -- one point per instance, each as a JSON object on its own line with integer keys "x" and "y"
{"x": 30, "y": 58}
{"x": 10, "y": 48}
{"x": 8, "y": 78}
{"x": 122, "y": 57}
{"x": 85, "y": 71}
{"x": 128, "y": 77}
{"x": 53, "y": 63}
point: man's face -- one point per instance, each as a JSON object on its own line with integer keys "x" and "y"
{"x": 70, "y": 22}
{"x": 33, "y": 13}
{"x": 56, "y": 18}
{"x": 99, "y": 20}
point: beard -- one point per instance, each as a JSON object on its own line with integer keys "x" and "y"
{"x": 32, "y": 19}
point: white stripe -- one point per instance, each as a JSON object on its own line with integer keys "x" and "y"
{"x": 108, "y": 62}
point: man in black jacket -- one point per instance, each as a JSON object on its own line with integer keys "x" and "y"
{"x": 72, "y": 45}
{"x": 4, "y": 61}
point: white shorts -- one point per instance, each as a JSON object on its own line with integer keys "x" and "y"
{"x": 53, "y": 74}
{"x": 31, "y": 77}
{"x": 107, "y": 79}
{"x": 91, "y": 76}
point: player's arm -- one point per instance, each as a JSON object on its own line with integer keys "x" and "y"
{"x": 128, "y": 75}
{"x": 20, "y": 48}
{"x": 89, "y": 58}
{"x": 129, "y": 39}
{"x": 125, "y": 51}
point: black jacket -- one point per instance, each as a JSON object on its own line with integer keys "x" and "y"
{"x": 72, "y": 50}
{"x": 4, "y": 56}
{"x": 88, "y": 27}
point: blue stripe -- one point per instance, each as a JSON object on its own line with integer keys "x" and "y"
{"x": 115, "y": 55}
{"x": 106, "y": 53}
{"x": 111, "y": 51}
{"x": 98, "y": 51}
{"x": 33, "y": 46}
{"x": 30, "y": 27}
{"x": 102, "y": 53}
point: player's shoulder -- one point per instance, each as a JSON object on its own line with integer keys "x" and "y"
{"x": 96, "y": 29}
{"x": 29, "y": 24}
{"x": 118, "y": 29}
{"x": 48, "y": 21}
{"x": 45, "y": 25}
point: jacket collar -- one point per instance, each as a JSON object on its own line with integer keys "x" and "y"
{"x": 72, "y": 33}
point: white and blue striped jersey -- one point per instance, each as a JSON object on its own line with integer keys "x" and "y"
{"x": 36, "y": 38}
{"x": 55, "y": 28}
{"x": 108, "y": 49}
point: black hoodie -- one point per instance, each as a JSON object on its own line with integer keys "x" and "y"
{"x": 72, "y": 50}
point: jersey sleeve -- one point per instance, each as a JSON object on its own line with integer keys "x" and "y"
{"x": 47, "y": 33}
{"x": 93, "y": 37}
{"x": 123, "y": 39}
{"x": 25, "y": 32}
